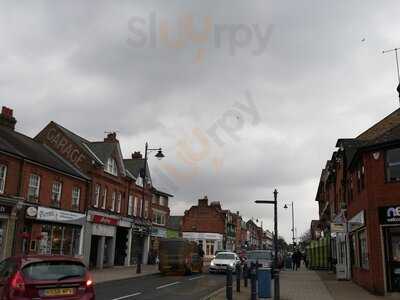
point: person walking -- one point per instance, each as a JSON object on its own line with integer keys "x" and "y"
{"x": 298, "y": 259}
{"x": 294, "y": 259}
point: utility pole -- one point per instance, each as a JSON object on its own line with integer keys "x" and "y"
{"x": 395, "y": 50}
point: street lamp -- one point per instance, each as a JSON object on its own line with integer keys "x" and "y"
{"x": 276, "y": 275}
{"x": 159, "y": 155}
{"x": 293, "y": 235}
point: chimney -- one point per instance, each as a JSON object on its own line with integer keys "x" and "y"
{"x": 203, "y": 202}
{"x": 137, "y": 155}
{"x": 111, "y": 138}
{"x": 7, "y": 119}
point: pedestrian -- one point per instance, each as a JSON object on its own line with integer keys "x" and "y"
{"x": 294, "y": 261}
{"x": 298, "y": 260}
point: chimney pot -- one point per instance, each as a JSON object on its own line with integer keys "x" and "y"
{"x": 111, "y": 137}
{"x": 137, "y": 155}
{"x": 6, "y": 118}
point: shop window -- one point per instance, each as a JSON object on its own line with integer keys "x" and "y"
{"x": 96, "y": 196}
{"x": 3, "y": 174}
{"x": 56, "y": 194}
{"x": 111, "y": 167}
{"x": 113, "y": 199}
{"x": 59, "y": 240}
{"x": 393, "y": 165}
{"x": 146, "y": 209}
{"x": 363, "y": 250}
{"x": 104, "y": 200}
{"x": 34, "y": 187}
{"x": 353, "y": 253}
{"x": 76, "y": 195}
{"x": 119, "y": 199}
{"x": 130, "y": 205}
{"x": 209, "y": 247}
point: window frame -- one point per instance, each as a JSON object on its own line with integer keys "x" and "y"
{"x": 130, "y": 205}
{"x": 363, "y": 252}
{"x": 3, "y": 178}
{"x": 76, "y": 206}
{"x": 56, "y": 202}
{"x": 387, "y": 166}
{"x": 97, "y": 192}
{"x": 111, "y": 166}
{"x": 36, "y": 194}
{"x": 113, "y": 200}
{"x": 119, "y": 200}
{"x": 104, "y": 198}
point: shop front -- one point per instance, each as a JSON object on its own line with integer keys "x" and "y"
{"x": 53, "y": 231}
{"x": 157, "y": 233}
{"x": 7, "y": 226}
{"x": 140, "y": 241}
{"x": 210, "y": 242}
{"x": 101, "y": 232}
{"x": 122, "y": 242}
{"x": 389, "y": 218}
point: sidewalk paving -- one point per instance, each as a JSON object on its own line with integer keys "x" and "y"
{"x": 309, "y": 285}
{"x": 118, "y": 273}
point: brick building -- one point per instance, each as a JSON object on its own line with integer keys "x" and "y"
{"x": 359, "y": 196}
{"x": 205, "y": 224}
{"x": 42, "y": 197}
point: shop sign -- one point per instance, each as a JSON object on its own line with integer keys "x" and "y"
{"x": 357, "y": 221}
{"x": 124, "y": 223}
{"x": 201, "y": 236}
{"x": 55, "y": 215}
{"x": 104, "y": 220}
{"x": 159, "y": 232}
{"x": 5, "y": 209}
{"x": 337, "y": 227}
{"x": 31, "y": 211}
{"x": 389, "y": 215}
{"x": 103, "y": 230}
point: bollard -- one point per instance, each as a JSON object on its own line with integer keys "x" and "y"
{"x": 229, "y": 283}
{"x": 238, "y": 275}
{"x": 253, "y": 282}
{"x": 245, "y": 274}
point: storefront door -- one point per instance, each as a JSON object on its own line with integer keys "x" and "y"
{"x": 393, "y": 258}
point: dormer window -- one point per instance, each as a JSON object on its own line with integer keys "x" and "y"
{"x": 111, "y": 167}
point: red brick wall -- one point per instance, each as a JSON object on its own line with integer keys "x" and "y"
{"x": 13, "y": 174}
{"x": 203, "y": 219}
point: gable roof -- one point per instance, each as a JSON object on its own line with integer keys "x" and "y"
{"x": 100, "y": 151}
{"x": 381, "y": 127}
{"x": 133, "y": 166}
{"x": 25, "y": 147}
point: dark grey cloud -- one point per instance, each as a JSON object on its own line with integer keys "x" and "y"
{"x": 316, "y": 81}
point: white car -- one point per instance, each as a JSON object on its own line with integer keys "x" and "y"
{"x": 222, "y": 261}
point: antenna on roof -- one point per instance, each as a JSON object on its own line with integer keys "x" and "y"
{"x": 114, "y": 131}
{"x": 395, "y": 50}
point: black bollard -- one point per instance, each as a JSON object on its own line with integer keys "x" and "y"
{"x": 229, "y": 283}
{"x": 245, "y": 274}
{"x": 139, "y": 264}
{"x": 238, "y": 275}
{"x": 253, "y": 282}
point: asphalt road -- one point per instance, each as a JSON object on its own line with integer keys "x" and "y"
{"x": 194, "y": 287}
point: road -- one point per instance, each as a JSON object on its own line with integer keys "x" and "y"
{"x": 161, "y": 287}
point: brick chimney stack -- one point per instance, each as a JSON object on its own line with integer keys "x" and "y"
{"x": 137, "y": 155}
{"x": 111, "y": 138}
{"x": 203, "y": 202}
{"x": 7, "y": 119}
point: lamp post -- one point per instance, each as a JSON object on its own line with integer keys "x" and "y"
{"x": 276, "y": 275}
{"x": 293, "y": 234}
{"x": 143, "y": 174}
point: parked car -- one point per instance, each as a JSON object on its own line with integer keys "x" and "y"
{"x": 42, "y": 277}
{"x": 223, "y": 260}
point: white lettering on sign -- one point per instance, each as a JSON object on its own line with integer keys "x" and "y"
{"x": 63, "y": 146}
{"x": 393, "y": 212}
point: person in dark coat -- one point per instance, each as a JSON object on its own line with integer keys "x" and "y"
{"x": 298, "y": 259}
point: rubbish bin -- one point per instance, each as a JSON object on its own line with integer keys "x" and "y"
{"x": 264, "y": 282}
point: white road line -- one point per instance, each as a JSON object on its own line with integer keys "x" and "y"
{"x": 198, "y": 277}
{"x": 127, "y": 296}
{"x": 167, "y": 285}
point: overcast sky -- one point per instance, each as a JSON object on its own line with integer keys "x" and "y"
{"x": 252, "y": 99}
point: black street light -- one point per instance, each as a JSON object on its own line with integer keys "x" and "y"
{"x": 143, "y": 174}
{"x": 276, "y": 275}
{"x": 293, "y": 235}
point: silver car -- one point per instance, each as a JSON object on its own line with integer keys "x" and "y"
{"x": 223, "y": 260}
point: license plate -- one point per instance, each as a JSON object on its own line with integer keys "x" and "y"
{"x": 59, "y": 292}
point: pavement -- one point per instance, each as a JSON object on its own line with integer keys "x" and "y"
{"x": 118, "y": 273}
{"x": 308, "y": 285}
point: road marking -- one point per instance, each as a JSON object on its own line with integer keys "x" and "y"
{"x": 127, "y": 296}
{"x": 198, "y": 277}
{"x": 166, "y": 285}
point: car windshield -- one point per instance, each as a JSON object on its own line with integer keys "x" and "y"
{"x": 259, "y": 255}
{"x": 54, "y": 270}
{"x": 225, "y": 256}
